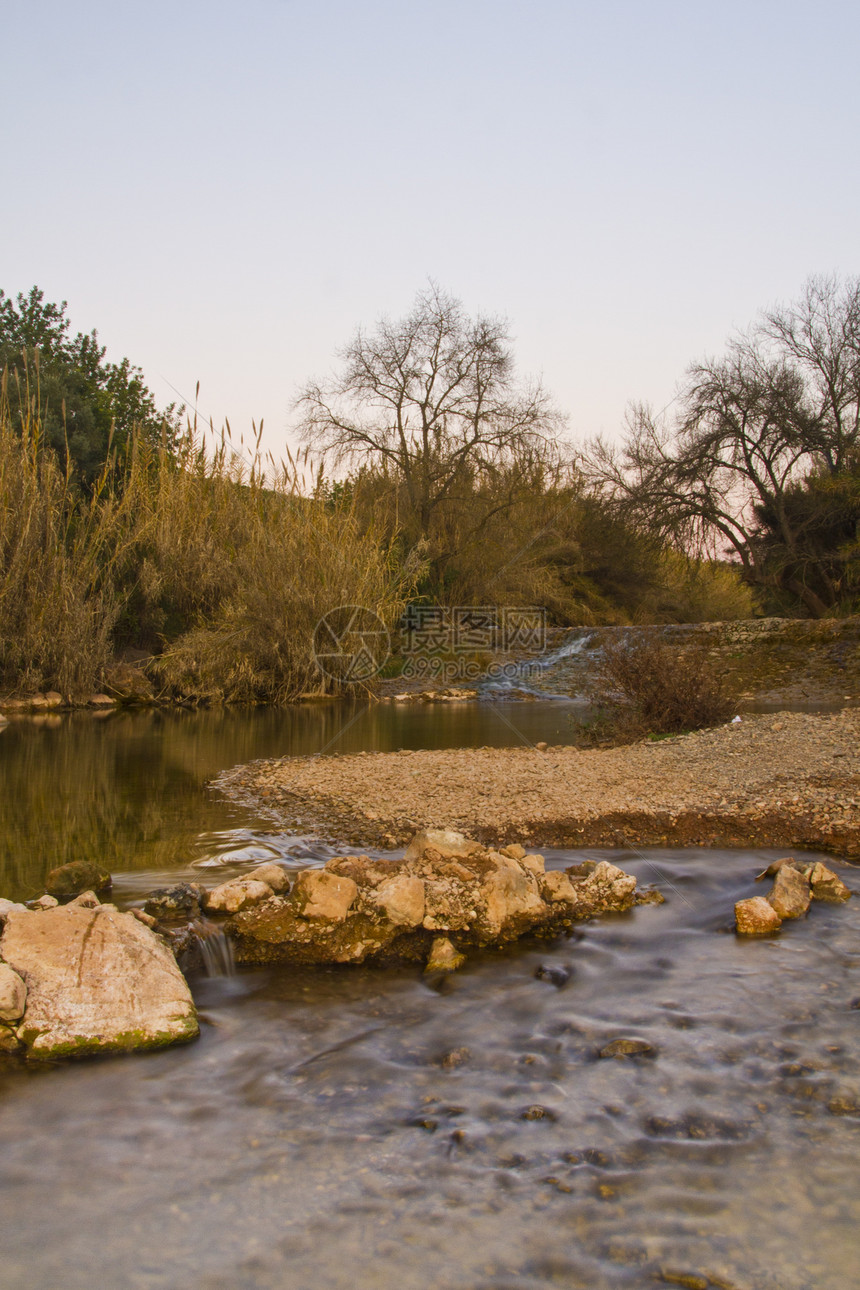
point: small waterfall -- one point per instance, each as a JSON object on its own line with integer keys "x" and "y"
{"x": 516, "y": 676}
{"x": 216, "y": 950}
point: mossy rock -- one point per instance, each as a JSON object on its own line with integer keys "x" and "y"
{"x": 77, "y": 876}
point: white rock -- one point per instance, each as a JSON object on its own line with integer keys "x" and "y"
{"x": 97, "y": 981}
{"x": 240, "y": 893}
{"x": 273, "y": 874}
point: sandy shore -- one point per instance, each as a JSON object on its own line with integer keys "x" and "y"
{"x": 787, "y": 780}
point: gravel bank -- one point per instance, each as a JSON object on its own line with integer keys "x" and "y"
{"x": 790, "y": 779}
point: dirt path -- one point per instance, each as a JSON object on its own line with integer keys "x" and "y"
{"x": 790, "y": 779}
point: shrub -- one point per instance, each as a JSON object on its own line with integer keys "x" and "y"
{"x": 653, "y": 687}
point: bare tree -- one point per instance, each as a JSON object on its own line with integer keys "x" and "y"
{"x": 432, "y": 399}
{"x": 727, "y": 474}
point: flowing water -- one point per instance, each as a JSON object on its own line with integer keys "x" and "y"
{"x": 371, "y": 1128}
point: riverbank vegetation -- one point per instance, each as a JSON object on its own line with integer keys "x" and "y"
{"x": 430, "y": 473}
{"x": 214, "y": 569}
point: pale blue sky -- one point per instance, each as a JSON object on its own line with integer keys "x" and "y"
{"x": 226, "y": 192}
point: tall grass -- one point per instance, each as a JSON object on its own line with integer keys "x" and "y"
{"x": 56, "y": 613}
{"x": 217, "y": 563}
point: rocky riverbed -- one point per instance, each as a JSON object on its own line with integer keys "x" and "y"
{"x": 790, "y": 779}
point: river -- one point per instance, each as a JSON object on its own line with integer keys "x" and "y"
{"x": 370, "y": 1128}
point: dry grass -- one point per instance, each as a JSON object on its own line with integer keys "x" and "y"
{"x": 218, "y": 562}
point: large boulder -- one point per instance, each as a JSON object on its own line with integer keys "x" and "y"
{"x": 97, "y": 981}
{"x": 77, "y": 876}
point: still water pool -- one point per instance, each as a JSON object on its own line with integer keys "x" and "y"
{"x": 371, "y": 1128}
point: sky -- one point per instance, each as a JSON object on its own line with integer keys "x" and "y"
{"x": 227, "y": 192}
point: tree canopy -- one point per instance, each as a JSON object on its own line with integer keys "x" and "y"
{"x": 762, "y": 460}
{"x": 87, "y": 406}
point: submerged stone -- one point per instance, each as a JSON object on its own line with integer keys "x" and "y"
{"x": 77, "y": 876}
{"x": 627, "y": 1048}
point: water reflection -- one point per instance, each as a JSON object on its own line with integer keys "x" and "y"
{"x": 129, "y": 791}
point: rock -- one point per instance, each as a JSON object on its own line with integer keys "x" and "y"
{"x": 510, "y": 894}
{"x": 101, "y": 701}
{"x": 356, "y": 909}
{"x": 97, "y": 981}
{"x": 455, "y": 1057}
{"x": 129, "y": 683}
{"x": 13, "y": 994}
{"x": 44, "y": 902}
{"x": 86, "y": 900}
{"x": 444, "y": 956}
{"x": 790, "y": 897}
{"x": 677, "y": 1277}
{"x": 76, "y": 877}
{"x": 241, "y": 893}
{"x": 826, "y": 885}
{"x": 756, "y": 917}
{"x": 628, "y": 1048}
{"x": 273, "y": 874}
{"x": 514, "y": 851}
{"x": 401, "y": 900}
{"x": 54, "y": 699}
{"x": 556, "y": 887}
{"x": 537, "y": 1112}
{"x": 541, "y": 747}
{"x": 8, "y": 907}
{"x": 445, "y": 842}
{"x": 605, "y": 887}
{"x": 534, "y": 864}
{"x": 556, "y": 974}
{"x": 320, "y": 894}
{"x": 773, "y": 868}
{"x": 181, "y": 901}
{"x": 649, "y": 896}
